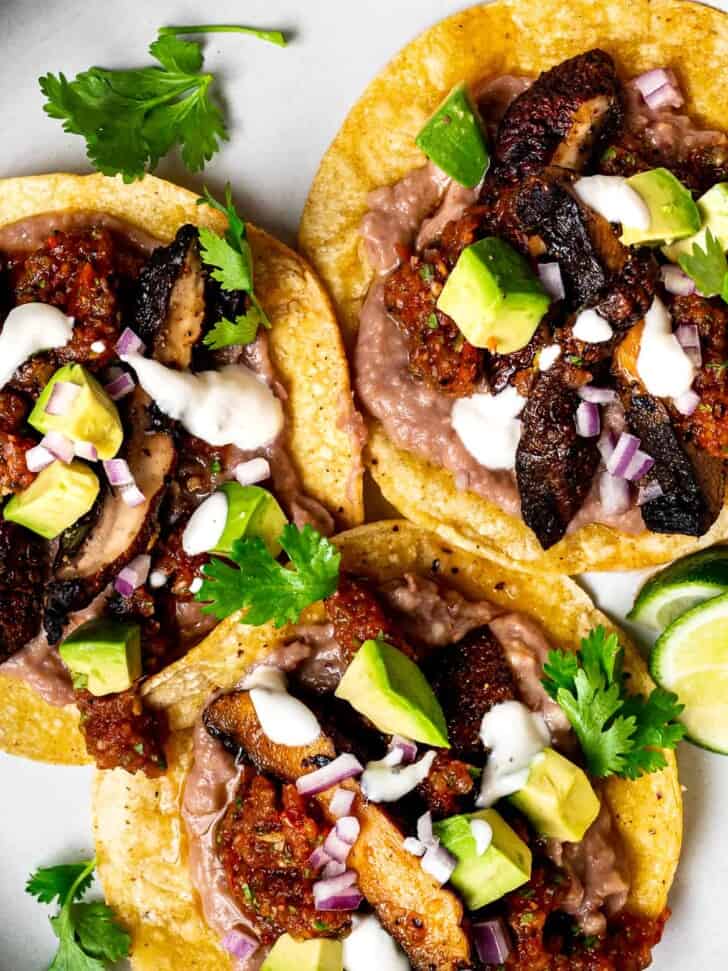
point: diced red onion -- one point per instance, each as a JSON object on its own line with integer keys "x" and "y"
{"x": 659, "y": 88}
{"x": 677, "y": 281}
{"x": 132, "y": 495}
{"x": 620, "y": 458}
{"x": 348, "y": 900}
{"x": 648, "y": 492}
{"x": 345, "y": 766}
{"x": 59, "y": 445}
{"x": 348, "y": 829}
{"x": 86, "y": 450}
{"x": 129, "y": 343}
{"x": 551, "y": 280}
{"x": 337, "y": 893}
{"x": 256, "y": 470}
{"x": 118, "y": 472}
{"x": 63, "y": 394}
{"x": 133, "y": 575}
{"x": 319, "y": 858}
{"x": 689, "y": 339}
{"x": 640, "y": 464}
{"x": 406, "y": 747}
{"x": 687, "y": 402}
{"x": 491, "y": 941}
{"x": 588, "y": 421}
{"x": 38, "y": 458}
{"x": 333, "y": 869}
{"x": 597, "y": 396}
{"x": 336, "y": 847}
{"x": 668, "y": 96}
{"x": 425, "y": 832}
{"x": 341, "y": 802}
{"x": 413, "y": 846}
{"x": 439, "y": 863}
{"x": 614, "y": 493}
{"x": 238, "y": 944}
{"x": 120, "y": 386}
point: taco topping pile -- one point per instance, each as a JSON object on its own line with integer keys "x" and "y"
{"x": 548, "y": 320}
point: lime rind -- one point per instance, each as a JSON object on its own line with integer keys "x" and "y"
{"x": 681, "y": 586}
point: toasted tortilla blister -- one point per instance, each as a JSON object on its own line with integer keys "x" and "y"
{"x": 140, "y": 839}
{"x": 306, "y": 350}
{"x": 376, "y": 147}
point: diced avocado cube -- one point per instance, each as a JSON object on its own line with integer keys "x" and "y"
{"x": 494, "y": 297}
{"x": 92, "y": 416}
{"x": 252, "y": 511}
{"x": 58, "y": 496}
{"x": 673, "y": 213}
{"x": 103, "y": 656}
{"x": 391, "y": 691}
{"x": 504, "y": 866}
{"x": 713, "y": 209}
{"x": 453, "y": 139}
{"x": 318, "y": 954}
{"x": 558, "y": 798}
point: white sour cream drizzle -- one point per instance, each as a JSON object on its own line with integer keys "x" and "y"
{"x": 206, "y": 525}
{"x": 548, "y": 357}
{"x": 482, "y": 834}
{"x": 615, "y": 199}
{"x": 28, "y": 330}
{"x": 515, "y": 736}
{"x": 232, "y": 406}
{"x": 663, "y": 365}
{"x": 381, "y": 782}
{"x": 369, "y": 947}
{"x": 284, "y": 719}
{"x": 489, "y": 427}
{"x": 591, "y": 327}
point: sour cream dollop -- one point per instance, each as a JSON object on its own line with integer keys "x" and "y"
{"x": 489, "y": 427}
{"x": 591, "y": 327}
{"x": 515, "y": 736}
{"x": 615, "y": 199}
{"x": 663, "y": 365}
{"x": 28, "y": 330}
{"x": 382, "y": 782}
{"x": 284, "y": 719}
{"x": 232, "y": 406}
{"x": 206, "y": 525}
{"x": 369, "y": 947}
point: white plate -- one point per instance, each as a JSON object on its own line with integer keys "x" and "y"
{"x": 284, "y": 107}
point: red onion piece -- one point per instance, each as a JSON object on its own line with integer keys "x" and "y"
{"x": 425, "y": 832}
{"x": 640, "y": 464}
{"x": 347, "y": 829}
{"x": 59, "y": 446}
{"x": 256, "y": 470}
{"x": 689, "y": 339}
{"x": 118, "y": 472}
{"x": 614, "y": 494}
{"x": 620, "y": 458}
{"x": 238, "y": 944}
{"x": 133, "y": 575}
{"x": 120, "y": 386}
{"x": 336, "y": 847}
{"x": 333, "y": 869}
{"x": 659, "y": 88}
{"x": 129, "y": 343}
{"x": 551, "y": 280}
{"x": 597, "y": 396}
{"x": 491, "y": 941}
{"x": 132, "y": 495}
{"x": 337, "y": 893}
{"x": 677, "y": 281}
{"x": 348, "y": 900}
{"x": 588, "y": 421}
{"x": 687, "y": 402}
{"x": 406, "y": 747}
{"x": 668, "y": 96}
{"x": 63, "y": 394}
{"x": 651, "y": 80}
{"x": 413, "y": 846}
{"x": 86, "y": 450}
{"x": 341, "y": 802}
{"x": 38, "y": 458}
{"x": 439, "y": 863}
{"x": 319, "y": 858}
{"x": 648, "y": 492}
{"x": 343, "y": 767}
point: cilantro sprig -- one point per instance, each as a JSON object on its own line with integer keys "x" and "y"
{"x": 708, "y": 267}
{"x": 130, "y": 119}
{"x": 231, "y": 261}
{"x": 88, "y": 935}
{"x": 620, "y": 733}
{"x": 269, "y": 591}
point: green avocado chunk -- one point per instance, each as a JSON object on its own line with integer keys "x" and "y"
{"x": 57, "y": 497}
{"x": 103, "y": 656}
{"x": 673, "y": 213}
{"x": 504, "y": 866}
{"x": 252, "y": 511}
{"x": 391, "y": 691}
{"x": 92, "y": 416}
{"x": 317, "y": 954}
{"x": 453, "y": 139}
{"x": 713, "y": 209}
{"x": 494, "y": 297}
{"x": 558, "y": 798}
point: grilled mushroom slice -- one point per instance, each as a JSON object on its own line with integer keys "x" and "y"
{"x": 23, "y": 572}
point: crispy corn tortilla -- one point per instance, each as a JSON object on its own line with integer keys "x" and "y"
{"x": 139, "y": 834}
{"x": 306, "y": 350}
{"x": 376, "y": 147}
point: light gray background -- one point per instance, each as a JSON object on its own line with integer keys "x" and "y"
{"x": 283, "y": 106}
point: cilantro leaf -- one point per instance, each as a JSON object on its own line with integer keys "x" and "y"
{"x": 620, "y": 733}
{"x": 242, "y": 330}
{"x": 51, "y": 883}
{"x": 708, "y": 267}
{"x": 269, "y": 591}
{"x": 232, "y": 268}
{"x": 98, "y": 933}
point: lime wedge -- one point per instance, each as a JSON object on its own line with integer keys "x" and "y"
{"x": 691, "y": 659}
{"x": 681, "y": 586}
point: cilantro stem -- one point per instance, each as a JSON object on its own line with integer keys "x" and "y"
{"x": 272, "y": 36}
{"x": 89, "y": 869}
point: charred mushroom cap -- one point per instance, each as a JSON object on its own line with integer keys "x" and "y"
{"x": 24, "y": 562}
